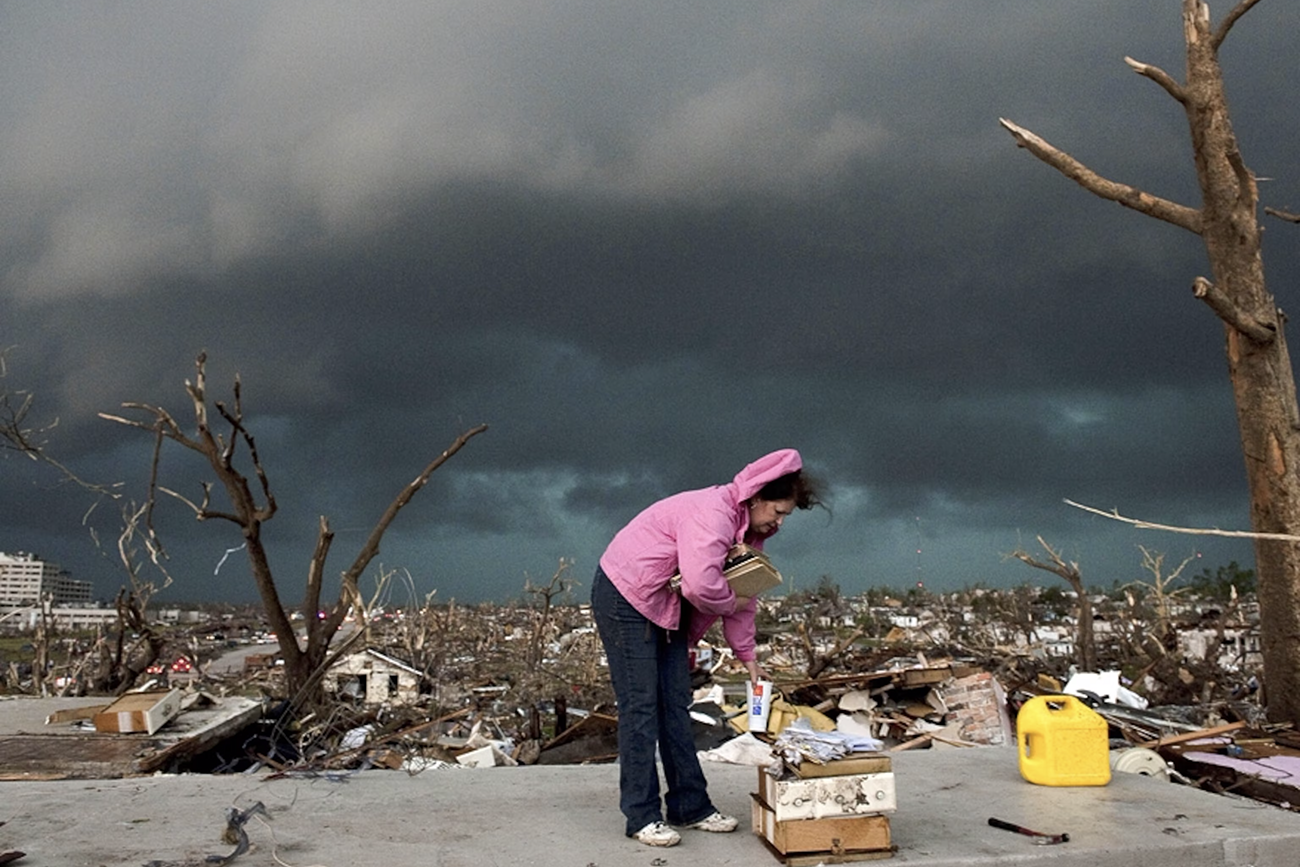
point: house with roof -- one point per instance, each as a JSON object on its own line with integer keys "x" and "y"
{"x": 371, "y": 676}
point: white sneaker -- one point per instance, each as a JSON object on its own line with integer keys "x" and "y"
{"x": 716, "y": 823}
{"x": 659, "y": 834}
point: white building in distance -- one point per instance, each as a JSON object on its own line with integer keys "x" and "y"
{"x": 64, "y": 618}
{"x": 25, "y": 579}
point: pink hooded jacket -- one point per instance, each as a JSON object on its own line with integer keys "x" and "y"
{"x": 691, "y": 532}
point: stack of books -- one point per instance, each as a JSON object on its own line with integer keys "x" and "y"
{"x": 748, "y": 571}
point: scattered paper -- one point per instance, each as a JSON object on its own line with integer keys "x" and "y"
{"x": 798, "y": 741}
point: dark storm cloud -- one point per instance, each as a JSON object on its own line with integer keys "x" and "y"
{"x": 645, "y": 245}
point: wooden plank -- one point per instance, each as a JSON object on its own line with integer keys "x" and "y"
{"x": 591, "y": 724}
{"x": 914, "y": 742}
{"x": 94, "y": 755}
{"x": 922, "y": 676}
{"x": 1214, "y": 731}
{"x": 1238, "y": 778}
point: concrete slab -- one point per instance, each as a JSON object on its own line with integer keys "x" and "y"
{"x": 567, "y": 816}
{"x": 31, "y": 749}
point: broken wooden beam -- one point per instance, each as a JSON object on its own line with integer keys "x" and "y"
{"x": 1184, "y": 737}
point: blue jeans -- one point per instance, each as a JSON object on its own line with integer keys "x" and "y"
{"x": 647, "y": 665}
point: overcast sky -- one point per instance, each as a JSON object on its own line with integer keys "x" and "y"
{"x": 645, "y": 243}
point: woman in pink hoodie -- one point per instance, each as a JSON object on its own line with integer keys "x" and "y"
{"x": 647, "y": 628}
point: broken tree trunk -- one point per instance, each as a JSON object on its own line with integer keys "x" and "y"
{"x": 251, "y": 504}
{"x": 1259, "y": 364}
{"x": 1085, "y": 647}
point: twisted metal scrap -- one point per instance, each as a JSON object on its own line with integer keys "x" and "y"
{"x": 234, "y": 834}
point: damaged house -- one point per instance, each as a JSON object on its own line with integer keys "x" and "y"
{"x": 372, "y": 677}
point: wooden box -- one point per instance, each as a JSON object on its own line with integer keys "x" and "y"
{"x": 794, "y": 798}
{"x": 139, "y": 712}
{"x": 839, "y": 835}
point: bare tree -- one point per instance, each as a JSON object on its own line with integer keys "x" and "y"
{"x": 1259, "y": 364}
{"x": 545, "y": 596}
{"x": 41, "y": 641}
{"x": 1162, "y": 591}
{"x": 114, "y": 663}
{"x": 250, "y": 505}
{"x": 1085, "y": 649}
{"x": 122, "y": 654}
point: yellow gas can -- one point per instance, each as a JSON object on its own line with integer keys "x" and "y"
{"x": 1062, "y": 742}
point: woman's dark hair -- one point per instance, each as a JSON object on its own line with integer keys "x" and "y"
{"x": 804, "y": 490}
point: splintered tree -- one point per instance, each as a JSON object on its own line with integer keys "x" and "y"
{"x": 1259, "y": 365}
{"x": 250, "y": 504}
{"x": 545, "y": 595}
{"x": 116, "y": 661}
{"x": 1162, "y": 590}
{"x": 1085, "y": 644}
{"x": 119, "y": 661}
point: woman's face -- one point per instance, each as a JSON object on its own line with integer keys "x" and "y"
{"x": 765, "y": 516}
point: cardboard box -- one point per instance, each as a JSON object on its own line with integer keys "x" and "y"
{"x": 796, "y": 798}
{"x": 854, "y": 763}
{"x": 139, "y": 712}
{"x": 840, "y": 835}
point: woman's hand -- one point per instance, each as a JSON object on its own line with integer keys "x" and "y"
{"x": 756, "y": 671}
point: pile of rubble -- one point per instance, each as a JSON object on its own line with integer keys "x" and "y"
{"x": 492, "y": 687}
{"x": 905, "y": 702}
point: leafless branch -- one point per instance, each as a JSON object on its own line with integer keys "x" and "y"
{"x": 1129, "y": 197}
{"x": 1114, "y": 515}
{"x": 546, "y": 595}
{"x": 1221, "y": 32}
{"x": 371, "y": 548}
{"x": 1283, "y": 215}
{"x": 1085, "y": 647}
{"x": 1057, "y": 566}
{"x": 304, "y": 664}
{"x": 151, "y": 536}
{"x": 1160, "y": 77}
{"x": 30, "y": 441}
{"x": 1227, "y": 310}
{"x": 316, "y": 569}
{"x": 161, "y": 418}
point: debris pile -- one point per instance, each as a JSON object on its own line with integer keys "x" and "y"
{"x": 910, "y": 702}
{"x": 495, "y": 686}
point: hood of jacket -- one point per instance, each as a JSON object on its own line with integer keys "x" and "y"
{"x": 769, "y": 467}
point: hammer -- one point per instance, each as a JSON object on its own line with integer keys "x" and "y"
{"x": 1039, "y": 837}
